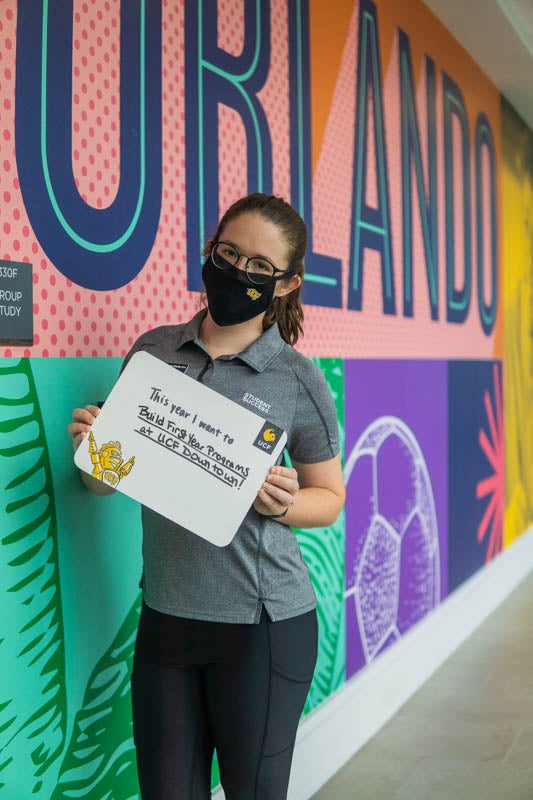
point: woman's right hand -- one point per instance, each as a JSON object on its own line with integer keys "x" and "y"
{"x": 82, "y": 422}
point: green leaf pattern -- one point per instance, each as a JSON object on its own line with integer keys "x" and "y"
{"x": 32, "y": 657}
{"x": 100, "y": 760}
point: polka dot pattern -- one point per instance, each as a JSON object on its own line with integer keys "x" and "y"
{"x": 231, "y": 156}
{"x": 230, "y": 28}
{"x": 95, "y": 100}
{"x": 275, "y": 98}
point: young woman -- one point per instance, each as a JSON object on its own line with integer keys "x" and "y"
{"x": 227, "y": 639}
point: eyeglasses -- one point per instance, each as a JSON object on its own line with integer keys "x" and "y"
{"x": 257, "y": 268}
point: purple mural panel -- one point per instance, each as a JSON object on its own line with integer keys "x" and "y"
{"x": 396, "y": 507}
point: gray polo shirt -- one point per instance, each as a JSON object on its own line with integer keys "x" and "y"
{"x": 183, "y": 574}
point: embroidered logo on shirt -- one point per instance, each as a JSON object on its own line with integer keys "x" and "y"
{"x": 268, "y": 437}
{"x": 256, "y": 402}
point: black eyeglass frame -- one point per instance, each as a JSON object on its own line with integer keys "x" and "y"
{"x": 277, "y": 275}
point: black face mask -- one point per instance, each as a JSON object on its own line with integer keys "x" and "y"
{"x": 231, "y": 297}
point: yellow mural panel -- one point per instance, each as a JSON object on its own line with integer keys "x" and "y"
{"x": 517, "y": 246}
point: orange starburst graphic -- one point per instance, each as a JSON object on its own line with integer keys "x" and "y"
{"x": 493, "y": 486}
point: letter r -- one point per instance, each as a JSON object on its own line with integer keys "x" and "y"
{"x": 212, "y": 77}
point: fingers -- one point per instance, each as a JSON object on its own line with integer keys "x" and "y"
{"x": 86, "y": 414}
{"x": 284, "y": 479}
{"x": 279, "y": 489}
{"x": 82, "y": 421}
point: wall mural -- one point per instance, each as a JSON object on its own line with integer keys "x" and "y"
{"x": 396, "y": 519}
{"x": 125, "y": 129}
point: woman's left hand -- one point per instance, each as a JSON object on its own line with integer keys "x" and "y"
{"x": 278, "y": 492}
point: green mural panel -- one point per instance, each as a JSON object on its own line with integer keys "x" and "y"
{"x": 323, "y": 550}
{"x": 70, "y": 564}
{"x": 69, "y": 572}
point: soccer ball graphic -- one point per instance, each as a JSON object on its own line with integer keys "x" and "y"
{"x": 393, "y": 564}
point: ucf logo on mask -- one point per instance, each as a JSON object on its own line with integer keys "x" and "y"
{"x": 229, "y": 294}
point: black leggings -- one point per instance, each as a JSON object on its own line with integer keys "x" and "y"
{"x": 197, "y": 686}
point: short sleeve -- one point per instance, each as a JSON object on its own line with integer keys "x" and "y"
{"x": 314, "y": 435}
{"x": 135, "y": 348}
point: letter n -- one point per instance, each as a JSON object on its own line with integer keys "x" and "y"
{"x": 457, "y": 300}
{"x": 412, "y": 157}
{"x": 371, "y": 227}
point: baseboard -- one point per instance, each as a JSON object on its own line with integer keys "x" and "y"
{"x": 340, "y": 726}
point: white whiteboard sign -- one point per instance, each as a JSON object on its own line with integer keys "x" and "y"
{"x": 180, "y": 448}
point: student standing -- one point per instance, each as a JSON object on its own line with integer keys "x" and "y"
{"x": 227, "y": 639}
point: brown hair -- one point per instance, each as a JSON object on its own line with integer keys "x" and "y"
{"x": 287, "y": 311}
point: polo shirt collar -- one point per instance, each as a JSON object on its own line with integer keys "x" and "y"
{"x": 258, "y": 355}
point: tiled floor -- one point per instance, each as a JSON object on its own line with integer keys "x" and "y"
{"x": 467, "y": 734}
